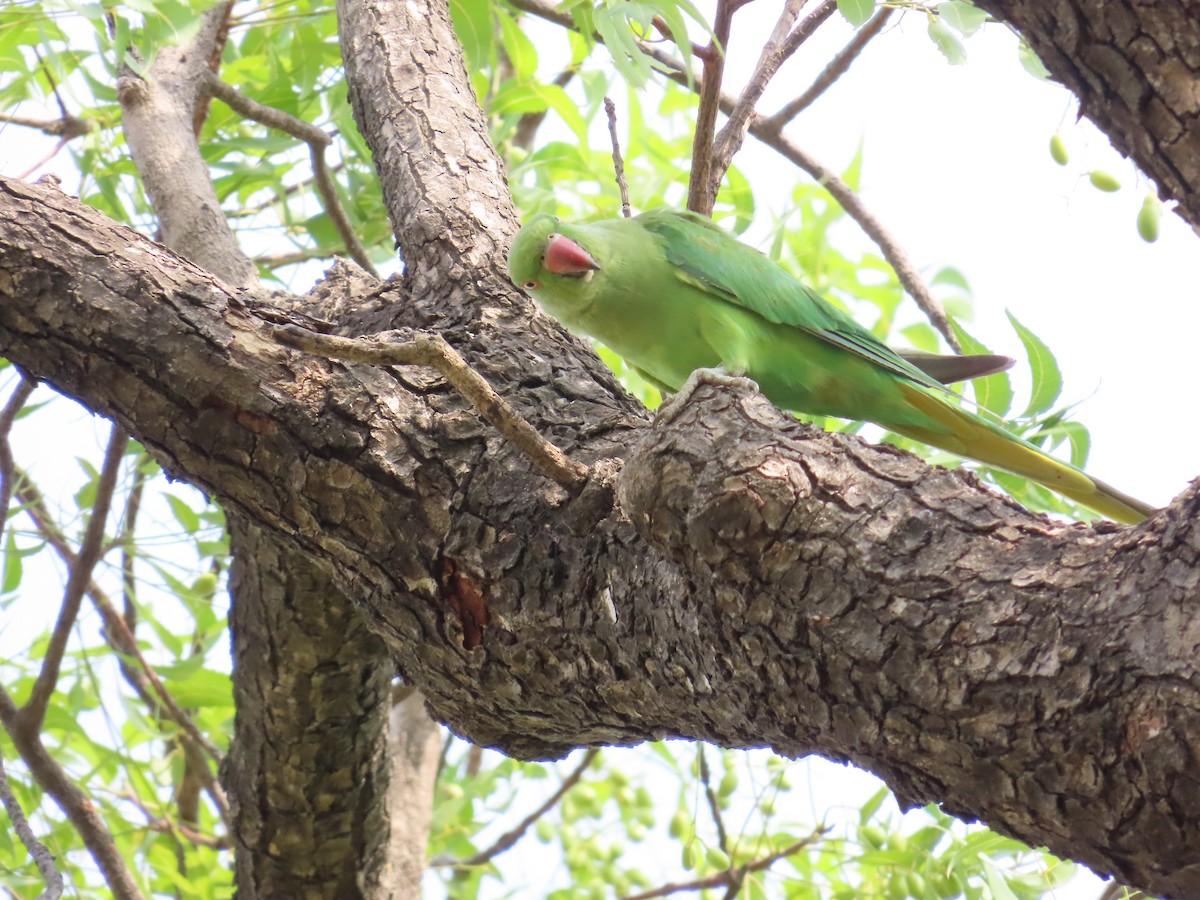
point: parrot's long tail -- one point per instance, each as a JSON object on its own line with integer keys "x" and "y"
{"x": 972, "y": 436}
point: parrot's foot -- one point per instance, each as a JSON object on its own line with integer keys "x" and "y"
{"x": 718, "y": 377}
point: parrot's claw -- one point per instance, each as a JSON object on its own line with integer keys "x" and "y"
{"x": 718, "y": 377}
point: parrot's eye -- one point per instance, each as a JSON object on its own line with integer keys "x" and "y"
{"x": 530, "y": 285}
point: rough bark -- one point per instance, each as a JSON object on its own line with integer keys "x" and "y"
{"x": 414, "y": 744}
{"x": 157, "y": 114}
{"x": 761, "y": 583}
{"x": 307, "y": 772}
{"x": 1135, "y": 67}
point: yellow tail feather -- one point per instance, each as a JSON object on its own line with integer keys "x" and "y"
{"x": 969, "y": 435}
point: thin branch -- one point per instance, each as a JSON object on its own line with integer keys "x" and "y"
{"x": 164, "y": 825}
{"x": 732, "y": 876}
{"x": 42, "y": 857}
{"x": 8, "y": 471}
{"x": 714, "y": 805}
{"x": 53, "y": 779}
{"x": 432, "y": 350}
{"x": 838, "y": 66}
{"x": 34, "y": 711}
{"x": 133, "y": 505}
{"x": 120, "y": 637}
{"x": 772, "y": 137}
{"x": 700, "y": 195}
{"x": 782, "y": 44}
{"x": 219, "y": 40}
{"x": 317, "y": 141}
{"x": 610, "y": 109}
{"x": 510, "y": 837}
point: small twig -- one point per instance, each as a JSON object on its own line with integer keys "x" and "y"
{"x": 66, "y": 126}
{"x": 665, "y": 30}
{"x": 121, "y": 638}
{"x": 133, "y": 506}
{"x": 510, "y": 837}
{"x": 42, "y": 857}
{"x": 164, "y": 825}
{"x": 610, "y": 110}
{"x": 782, "y": 44}
{"x": 8, "y": 471}
{"x": 838, "y": 66}
{"x": 734, "y": 875}
{"x": 55, "y": 781}
{"x": 34, "y": 711}
{"x": 700, "y": 197}
{"x": 317, "y": 141}
{"x": 432, "y": 350}
{"x": 714, "y": 804}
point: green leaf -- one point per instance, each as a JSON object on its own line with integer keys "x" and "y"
{"x": 856, "y": 12}
{"x": 963, "y": 17}
{"x": 995, "y": 881}
{"x": 13, "y": 566}
{"x": 993, "y": 393}
{"x": 1031, "y": 63}
{"x": 872, "y": 805}
{"x": 203, "y": 688}
{"x": 630, "y": 62}
{"x": 947, "y": 41}
{"x": 1043, "y": 368}
{"x": 184, "y": 514}
{"x": 517, "y": 46}
{"x": 473, "y": 24}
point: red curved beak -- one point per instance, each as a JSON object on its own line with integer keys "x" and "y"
{"x": 565, "y": 257}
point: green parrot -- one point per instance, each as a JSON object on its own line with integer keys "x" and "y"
{"x": 673, "y": 293}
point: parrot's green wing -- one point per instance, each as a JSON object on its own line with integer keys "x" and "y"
{"x": 708, "y": 258}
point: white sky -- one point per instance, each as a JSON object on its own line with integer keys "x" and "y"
{"x": 957, "y": 167}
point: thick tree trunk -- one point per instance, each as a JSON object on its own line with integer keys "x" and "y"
{"x": 761, "y": 583}
{"x": 307, "y": 772}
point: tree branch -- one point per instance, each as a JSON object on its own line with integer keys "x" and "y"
{"x": 783, "y": 42}
{"x": 317, "y": 141}
{"x": 42, "y": 858}
{"x": 700, "y": 193}
{"x": 610, "y": 110}
{"x": 732, "y": 877}
{"x": 119, "y": 635}
{"x": 514, "y": 834}
{"x": 34, "y": 710}
{"x": 78, "y": 807}
{"x": 838, "y": 66}
{"x": 8, "y": 472}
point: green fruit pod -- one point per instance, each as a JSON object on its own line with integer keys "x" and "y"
{"x": 680, "y": 824}
{"x": 1058, "y": 150}
{"x": 689, "y": 856}
{"x": 1148, "y": 218}
{"x": 1102, "y": 181}
{"x": 717, "y": 858}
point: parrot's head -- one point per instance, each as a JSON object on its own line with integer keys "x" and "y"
{"x": 552, "y": 267}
